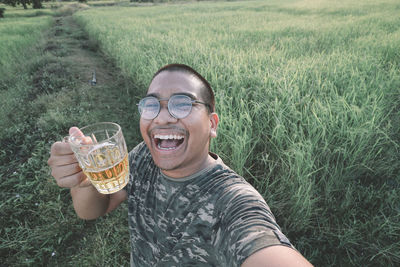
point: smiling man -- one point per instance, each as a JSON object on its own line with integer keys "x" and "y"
{"x": 186, "y": 207}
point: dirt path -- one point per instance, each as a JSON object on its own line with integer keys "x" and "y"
{"x": 71, "y": 44}
{"x": 109, "y": 99}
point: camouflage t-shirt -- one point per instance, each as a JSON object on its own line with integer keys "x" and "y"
{"x": 212, "y": 218}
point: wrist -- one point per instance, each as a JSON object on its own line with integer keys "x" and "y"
{"x": 88, "y": 202}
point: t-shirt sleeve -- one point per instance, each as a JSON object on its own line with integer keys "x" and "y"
{"x": 247, "y": 225}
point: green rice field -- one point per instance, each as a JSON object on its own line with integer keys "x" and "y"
{"x": 308, "y": 95}
{"x": 19, "y": 31}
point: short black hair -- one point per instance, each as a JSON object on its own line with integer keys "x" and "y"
{"x": 208, "y": 94}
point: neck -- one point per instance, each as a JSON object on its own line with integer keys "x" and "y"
{"x": 187, "y": 171}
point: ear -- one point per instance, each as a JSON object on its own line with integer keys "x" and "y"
{"x": 214, "y": 120}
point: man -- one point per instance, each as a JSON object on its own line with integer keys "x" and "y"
{"x": 186, "y": 207}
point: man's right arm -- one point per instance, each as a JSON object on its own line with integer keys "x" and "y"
{"x": 88, "y": 202}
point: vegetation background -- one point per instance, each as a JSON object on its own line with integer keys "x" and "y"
{"x": 308, "y": 92}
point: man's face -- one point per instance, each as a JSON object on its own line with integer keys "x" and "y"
{"x": 178, "y": 146}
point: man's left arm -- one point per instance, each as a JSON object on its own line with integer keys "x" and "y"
{"x": 249, "y": 234}
{"x": 276, "y": 256}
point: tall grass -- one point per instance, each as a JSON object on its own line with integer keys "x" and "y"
{"x": 19, "y": 35}
{"x": 308, "y": 95}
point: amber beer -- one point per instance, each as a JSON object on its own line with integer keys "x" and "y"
{"x": 111, "y": 179}
{"x": 102, "y": 155}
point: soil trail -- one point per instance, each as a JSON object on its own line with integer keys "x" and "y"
{"x": 111, "y": 96}
{"x": 70, "y": 43}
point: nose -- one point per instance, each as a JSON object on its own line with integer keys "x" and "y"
{"x": 164, "y": 117}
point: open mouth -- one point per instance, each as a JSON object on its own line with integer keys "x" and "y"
{"x": 168, "y": 142}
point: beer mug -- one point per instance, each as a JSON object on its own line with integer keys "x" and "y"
{"x": 102, "y": 155}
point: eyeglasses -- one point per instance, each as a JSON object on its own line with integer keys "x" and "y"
{"x": 179, "y": 106}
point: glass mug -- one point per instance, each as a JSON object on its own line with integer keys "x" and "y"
{"x": 102, "y": 155}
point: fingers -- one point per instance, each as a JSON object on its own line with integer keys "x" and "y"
{"x": 65, "y": 170}
{"x": 77, "y": 179}
{"x": 64, "y": 164}
{"x": 60, "y": 148}
{"x": 62, "y": 160}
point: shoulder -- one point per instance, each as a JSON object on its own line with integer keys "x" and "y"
{"x": 238, "y": 201}
{"x": 232, "y": 187}
{"x": 139, "y": 154}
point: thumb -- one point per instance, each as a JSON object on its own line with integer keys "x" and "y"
{"x": 75, "y": 131}
{"x": 79, "y": 136}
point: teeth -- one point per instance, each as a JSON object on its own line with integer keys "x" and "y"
{"x": 170, "y": 136}
{"x": 165, "y": 148}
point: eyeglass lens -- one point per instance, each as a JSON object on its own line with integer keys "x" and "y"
{"x": 179, "y": 106}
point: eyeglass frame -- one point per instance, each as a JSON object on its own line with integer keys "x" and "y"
{"x": 192, "y": 101}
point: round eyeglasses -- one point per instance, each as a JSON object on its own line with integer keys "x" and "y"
{"x": 179, "y": 106}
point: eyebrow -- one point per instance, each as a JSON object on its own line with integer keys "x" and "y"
{"x": 153, "y": 95}
{"x": 192, "y": 96}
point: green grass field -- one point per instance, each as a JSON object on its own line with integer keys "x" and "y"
{"x": 18, "y": 31}
{"x": 308, "y": 94}
{"x": 40, "y": 99}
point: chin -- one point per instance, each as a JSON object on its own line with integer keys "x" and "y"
{"x": 165, "y": 165}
